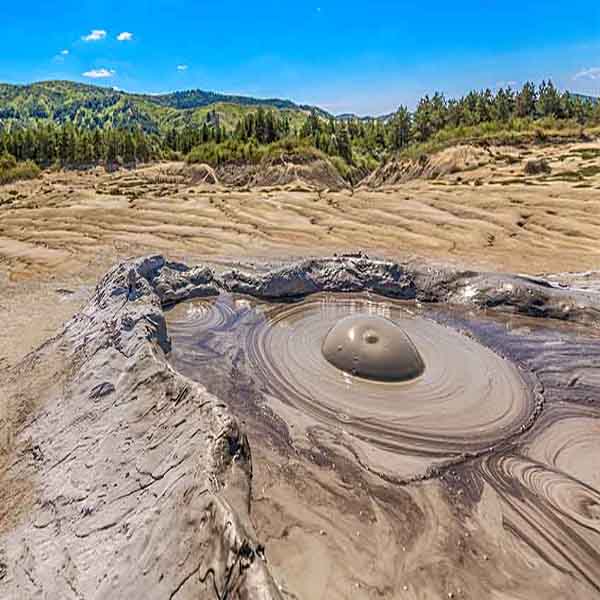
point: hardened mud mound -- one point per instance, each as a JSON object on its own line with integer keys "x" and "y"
{"x": 122, "y": 478}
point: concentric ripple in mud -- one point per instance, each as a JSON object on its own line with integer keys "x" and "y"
{"x": 466, "y": 400}
{"x": 552, "y": 511}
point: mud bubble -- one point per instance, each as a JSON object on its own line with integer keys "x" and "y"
{"x": 372, "y": 347}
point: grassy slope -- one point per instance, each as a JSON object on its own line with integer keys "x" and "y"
{"x": 86, "y": 105}
{"x": 518, "y": 131}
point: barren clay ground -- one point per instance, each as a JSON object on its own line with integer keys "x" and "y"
{"x": 485, "y": 529}
{"x": 58, "y": 234}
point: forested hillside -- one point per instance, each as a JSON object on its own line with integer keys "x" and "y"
{"x": 76, "y": 125}
{"x": 91, "y": 106}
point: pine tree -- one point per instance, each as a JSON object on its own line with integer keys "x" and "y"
{"x": 260, "y": 127}
{"x": 548, "y": 101}
{"x": 400, "y": 129}
{"x": 504, "y": 104}
{"x": 526, "y": 100}
{"x": 344, "y": 146}
{"x": 422, "y": 120}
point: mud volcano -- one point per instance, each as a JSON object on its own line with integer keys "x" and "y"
{"x": 359, "y": 374}
{"x": 127, "y": 469}
{"x": 372, "y": 348}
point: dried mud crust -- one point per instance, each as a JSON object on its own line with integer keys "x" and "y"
{"x": 137, "y": 478}
{"x": 358, "y": 273}
{"x": 135, "y": 481}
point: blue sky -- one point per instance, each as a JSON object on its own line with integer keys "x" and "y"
{"x": 363, "y": 57}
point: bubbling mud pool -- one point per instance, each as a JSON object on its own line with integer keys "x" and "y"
{"x": 445, "y": 397}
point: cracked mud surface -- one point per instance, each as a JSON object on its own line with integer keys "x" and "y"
{"x": 123, "y": 475}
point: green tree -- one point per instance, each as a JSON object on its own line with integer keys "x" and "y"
{"x": 548, "y": 100}
{"x": 526, "y": 100}
{"x": 504, "y": 104}
{"x": 399, "y": 127}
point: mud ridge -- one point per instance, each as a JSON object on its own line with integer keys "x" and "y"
{"x": 359, "y": 273}
{"x": 141, "y": 479}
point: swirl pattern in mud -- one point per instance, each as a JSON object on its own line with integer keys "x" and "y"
{"x": 467, "y": 400}
{"x": 198, "y": 327}
{"x": 550, "y": 510}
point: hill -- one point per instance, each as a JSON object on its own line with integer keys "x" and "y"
{"x": 94, "y": 106}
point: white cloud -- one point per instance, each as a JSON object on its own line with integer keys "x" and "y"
{"x": 591, "y": 73}
{"x": 182, "y": 67}
{"x": 94, "y": 35}
{"x": 99, "y": 73}
{"x": 125, "y": 36}
{"x": 60, "y": 57}
{"x": 506, "y": 84}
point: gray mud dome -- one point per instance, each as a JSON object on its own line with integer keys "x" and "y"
{"x": 123, "y": 476}
{"x": 373, "y": 348}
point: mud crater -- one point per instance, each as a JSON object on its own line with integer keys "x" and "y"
{"x": 505, "y": 405}
{"x": 426, "y": 397}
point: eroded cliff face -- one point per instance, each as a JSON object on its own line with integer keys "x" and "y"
{"x": 123, "y": 477}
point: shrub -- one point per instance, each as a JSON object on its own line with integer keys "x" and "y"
{"x": 11, "y": 170}
{"x": 237, "y": 152}
{"x": 230, "y": 151}
{"x": 293, "y": 149}
{"x": 7, "y": 161}
{"x": 537, "y": 167}
{"x": 341, "y": 166}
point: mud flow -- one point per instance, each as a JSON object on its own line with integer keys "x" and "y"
{"x": 482, "y": 427}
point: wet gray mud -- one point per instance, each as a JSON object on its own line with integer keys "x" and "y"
{"x": 466, "y": 400}
{"x": 163, "y": 448}
{"x": 509, "y": 405}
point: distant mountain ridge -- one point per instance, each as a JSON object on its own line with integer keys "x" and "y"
{"x": 197, "y": 98}
{"x": 95, "y": 106}
{"x": 354, "y": 117}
